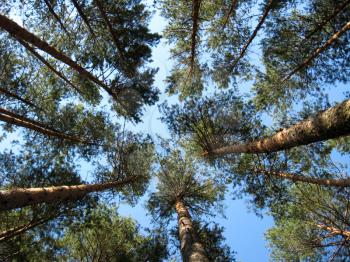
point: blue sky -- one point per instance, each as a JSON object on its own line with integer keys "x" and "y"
{"x": 244, "y": 231}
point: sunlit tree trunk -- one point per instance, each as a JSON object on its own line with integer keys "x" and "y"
{"x": 331, "y": 123}
{"x": 21, "y": 33}
{"x": 192, "y": 249}
{"x": 317, "y": 52}
{"x": 334, "y": 230}
{"x": 20, "y": 197}
{"x": 310, "y": 180}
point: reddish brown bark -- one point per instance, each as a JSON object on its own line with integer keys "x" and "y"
{"x": 334, "y": 230}
{"x": 20, "y": 197}
{"x": 331, "y": 123}
{"x": 15, "y": 119}
{"x": 310, "y": 180}
{"x": 253, "y": 35}
{"x": 20, "y": 33}
{"x": 317, "y": 52}
{"x": 192, "y": 249}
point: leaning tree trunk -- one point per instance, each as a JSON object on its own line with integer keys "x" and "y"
{"x": 192, "y": 249}
{"x": 21, "y": 33}
{"x": 310, "y": 180}
{"x": 331, "y": 123}
{"x": 15, "y": 119}
{"x": 20, "y": 197}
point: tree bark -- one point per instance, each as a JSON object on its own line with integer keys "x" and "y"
{"x": 23, "y": 228}
{"x": 45, "y": 62}
{"x": 331, "y": 123}
{"x": 310, "y": 180}
{"x": 192, "y": 249}
{"x": 253, "y": 35}
{"x": 195, "y": 24}
{"x": 13, "y": 95}
{"x": 19, "y": 32}
{"x": 83, "y": 16}
{"x": 317, "y": 52}
{"x": 12, "y": 118}
{"x": 52, "y": 11}
{"x": 20, "y": 197}
{"x": 335, "y": 231}
{"x": 229, "y": 13}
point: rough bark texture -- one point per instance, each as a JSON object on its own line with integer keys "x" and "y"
{"x": 331, "y": 123}
{"x": 317, "y": 52}
{"x": 43, "y": 60}
{"x": 310, "y": 180}
{"x": 12, "y": 118}
{"x": 83, "y": 16}
{"x": 195, "y": 24}
{"x": 20, "y": 33}
{"x": 253, "y": 35}
{"x": 15, "y": 198}
{"x": 52, "y": 11}
{"x": 334, "y": 230}
{"x": 229, "y": 13}
{"x": 191, "y": 248}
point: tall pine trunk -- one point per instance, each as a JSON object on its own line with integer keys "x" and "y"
{"x": 21, "y": 33}
{"x": 192, "y": 249}
{"x": 15, "y": 198}
{"x": 331, "y": 123}
{"x": 310, "y": 180}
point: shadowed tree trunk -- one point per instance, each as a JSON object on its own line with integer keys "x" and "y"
{"x": 192, "y": 249}
{"x": 317, "y": 52}
{"x": 22, "y": 34}
{"x": 43, "y": 60}
{"x": 52, "y": 11}
{"x": 229, "y": 13}
{"x": 195, "y": 24}
{"x": 331, "y": 123}
{"x": 12, "y": 118}
{"x": 13, "y": 95}
{"x": 310, "y": 180}
{"x": 253, "y": 35}
{"x": 83, "y": 16}
{"x": 20, "y": 197}
{"x": 23, "y": 228}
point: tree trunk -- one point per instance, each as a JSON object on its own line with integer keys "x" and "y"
{"x": 23, "y": 228}
{"x": 22, "y": 34}
{"x": 310, "y": 180}
{"x": 20, "y": 197}
{"x": 83, "y": 16}
{"x": 331, "y": 123}
{"x": 317, "y": 52}
{"x": 191, "y": 248}
{"x": 229, "y": 13}
{"x": 195, "y": 24}
{"x": 14, "y": 119}
{"x": 45, "y": 62}
{"x": 335, "y": 231}
{"x": 253, "y": 35}
{"x": 13, "y": 95}
{"x": 52, "y": 11}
